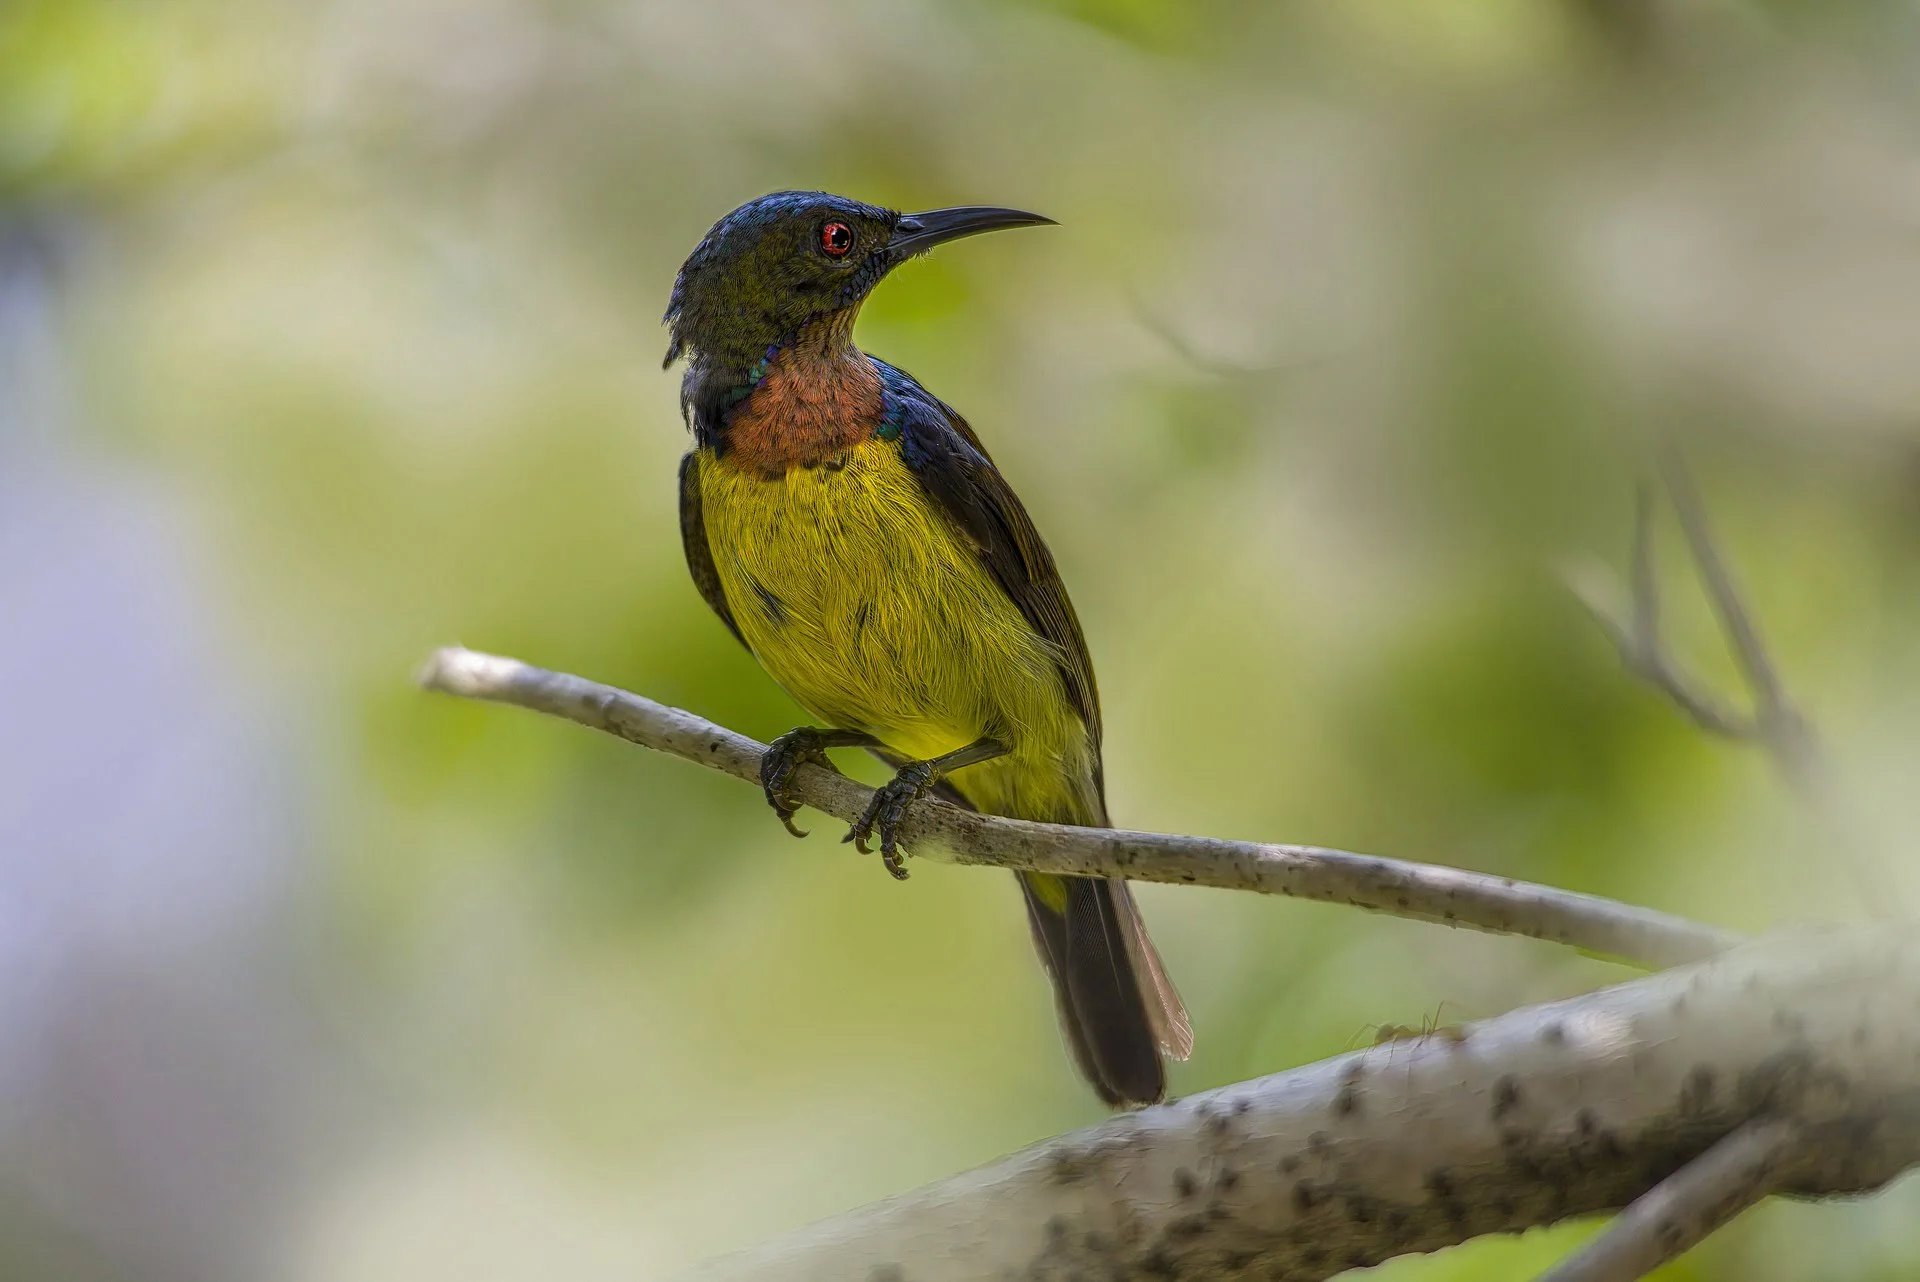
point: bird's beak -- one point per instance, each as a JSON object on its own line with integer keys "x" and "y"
{"x": 917, "y": 233}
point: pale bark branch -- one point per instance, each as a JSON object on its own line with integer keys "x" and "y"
{"x": 1679, "y": 1212}
{"x": 1804, "y": 1045}
{"x": 1421, "y": 891}
{"x": 1790, "y": 1065}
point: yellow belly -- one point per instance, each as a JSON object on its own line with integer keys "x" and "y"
{"x": 856, "y": 595}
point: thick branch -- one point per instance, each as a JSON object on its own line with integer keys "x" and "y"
{"x": 1676, "y": 1214}
{"x": 1420, "y": 891}
{"x": 1565, "y": 1109}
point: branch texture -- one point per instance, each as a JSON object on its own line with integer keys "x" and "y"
{"x": 1790, "y": 1065}
{"x": 1422, "y": 891}
{"x": 1682, "y": 1209}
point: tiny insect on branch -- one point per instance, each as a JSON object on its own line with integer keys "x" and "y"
{"x": 1791, "y": 1064}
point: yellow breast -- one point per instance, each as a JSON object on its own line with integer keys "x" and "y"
{"x": 861, "y": 599}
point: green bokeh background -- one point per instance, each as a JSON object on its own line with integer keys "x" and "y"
{"x": 1345, "y": 348}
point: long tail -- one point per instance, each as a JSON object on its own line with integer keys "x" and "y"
{"x": 1118, "y": 1010}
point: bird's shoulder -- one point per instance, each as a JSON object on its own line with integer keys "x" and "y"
{"x": 693, "y": 541}
{"x": 953, "y": 467}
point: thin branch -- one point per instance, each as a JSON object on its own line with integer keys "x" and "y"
{"x": 1679, "y": 1212}
{"x": 1774, "y": 723}
{"x": 1420, "y": 891}
{"x": 1655, "y": 663}
{"x": 1156, "y": 324}
{"x": 1564, "y": 1109}
{"x": 1639, "y": 639}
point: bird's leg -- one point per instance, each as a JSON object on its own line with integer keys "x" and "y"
{"x": 784, "y": 755}
{"x": 910, "y": 783}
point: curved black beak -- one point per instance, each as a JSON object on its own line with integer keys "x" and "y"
{"x": 917, "y": 233}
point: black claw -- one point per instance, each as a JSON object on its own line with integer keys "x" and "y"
{"x": 886, "y": 810}
{"x": 782, "y": 757}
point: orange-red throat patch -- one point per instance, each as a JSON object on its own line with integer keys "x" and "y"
{"x": 816, "y": 399}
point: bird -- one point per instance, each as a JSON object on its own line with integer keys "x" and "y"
{"x": 850, "y": 529}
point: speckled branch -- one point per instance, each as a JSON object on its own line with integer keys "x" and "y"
{"x": 1675, "y": 1214}
{"x": 1801, "y": 1048}
{"x": 1421, "y": 891}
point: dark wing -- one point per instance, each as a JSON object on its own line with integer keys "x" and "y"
{"x": 693, "y": 536}
{"x": 943, "y": 452}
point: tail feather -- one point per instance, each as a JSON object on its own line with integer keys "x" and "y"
{"x": 1083, "y": 928}
{"x": 1165, "y": 1011}
{"x": 1118, "y": 1009}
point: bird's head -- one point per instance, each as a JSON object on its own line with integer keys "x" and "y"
{"x": 776, "y": 266}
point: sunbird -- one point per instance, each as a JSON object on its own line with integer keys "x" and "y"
{"x": 851, "y": 531}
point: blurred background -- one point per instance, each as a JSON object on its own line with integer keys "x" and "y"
{"x": 329, "y": 333}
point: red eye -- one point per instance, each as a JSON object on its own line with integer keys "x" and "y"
{"x": 836, "y": 239}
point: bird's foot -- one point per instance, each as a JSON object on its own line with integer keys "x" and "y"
{"x": 888, "y": 807}
{"x": 784, "y": 756}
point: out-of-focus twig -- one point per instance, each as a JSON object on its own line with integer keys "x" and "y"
{"x": 1676, "y": 1214}
{"x": 1424, "y": 892}
{"x": 1638, "y": 636}
{"x": 1773, "y": 723}
{"x": 1187, "y": 350}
